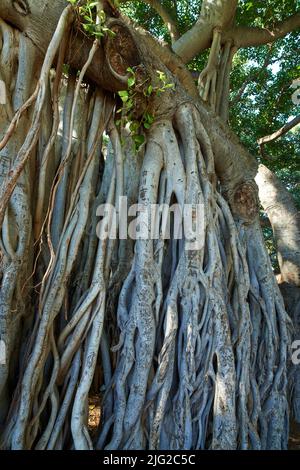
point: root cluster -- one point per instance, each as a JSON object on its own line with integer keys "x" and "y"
{"x": 191, "y": 345}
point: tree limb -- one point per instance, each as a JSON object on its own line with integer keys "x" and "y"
{"x": 214, "y": 14}
{"x": 165, "y": 16}
{"x": 199, "y": 37}
{"x": 283, "y": 130}
{"x": 244, "y": 36}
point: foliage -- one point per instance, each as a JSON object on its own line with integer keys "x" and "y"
{"x": 261, "y": 103}
{"x": 185, "y": 12}
{"x": 261, "y": 79}
{"x": 93, "y": 21}
{"x": 265, "y": 103}
{"x": 128, "y": 98}
{"x": 180, "y": 322}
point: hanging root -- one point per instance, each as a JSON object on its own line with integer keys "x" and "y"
{"x": 208, "y": 78}
{"x": 7, "y": 189}
{"x": 188, "y": 331}
{"x": 214, "y": 80}
{"x": 217, "y": 366}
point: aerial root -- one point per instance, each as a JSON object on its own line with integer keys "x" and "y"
{"x": 199, "y": 332}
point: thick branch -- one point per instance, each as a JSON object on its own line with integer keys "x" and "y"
{"x": 214, "y": 14}
{"x": 232, "y": 162}
{"x": 166, "y": 17}
{"x": 283, "y": 130}
{"x": 199, "y": 37}
{"x": 243, "y": 36}
{"x": 41, "y": 12}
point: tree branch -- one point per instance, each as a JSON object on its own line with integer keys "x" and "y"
{"x": 42, "y": 12}
{"x": 283, "y": 130}
{"x": 243, "y": 36}
{"x": 253, "y": 76}
{"x": 165, "y": 16}
{"x": 214, "y": 14}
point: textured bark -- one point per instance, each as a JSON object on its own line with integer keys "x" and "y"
{"x": 192, "y": 343}
{"x": 17, "y": 229}
{"x": 284, "y": 216}
{"x": 285, "y": 220}
{"x": 214, "y": 14}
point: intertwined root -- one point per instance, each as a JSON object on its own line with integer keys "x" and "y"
{"x": 192, "y": 343}
{"x": 214, "y": 80}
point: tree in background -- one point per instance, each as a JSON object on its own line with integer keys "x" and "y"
{"x": 187, "y": 349}
{"x": 264, "y": 97}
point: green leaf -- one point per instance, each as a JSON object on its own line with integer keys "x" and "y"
{"x": 134, "y": 126}
{"x": 131, "y": 81}
{"x": 102, "y": 16}
{"x": 123, "y": 95}
{"x": 129, "y": 104}
{"x": 139, "y": 139}
{"x": 89, "y": 28}
{"x": 149, "y": 90}
{"x": 169, "y": 85}
{"x": 149, "y": 117}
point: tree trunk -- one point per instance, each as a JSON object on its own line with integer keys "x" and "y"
{"x": 191, "y": 340}
{"x": 282, "y": 212}
{"x": 284, "y": 216}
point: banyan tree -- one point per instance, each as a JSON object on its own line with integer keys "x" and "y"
{"x": 186, "y": 347}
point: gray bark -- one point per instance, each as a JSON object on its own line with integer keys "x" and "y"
{"x": 201, "y": 334}
{"x": 284, "y": 216}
